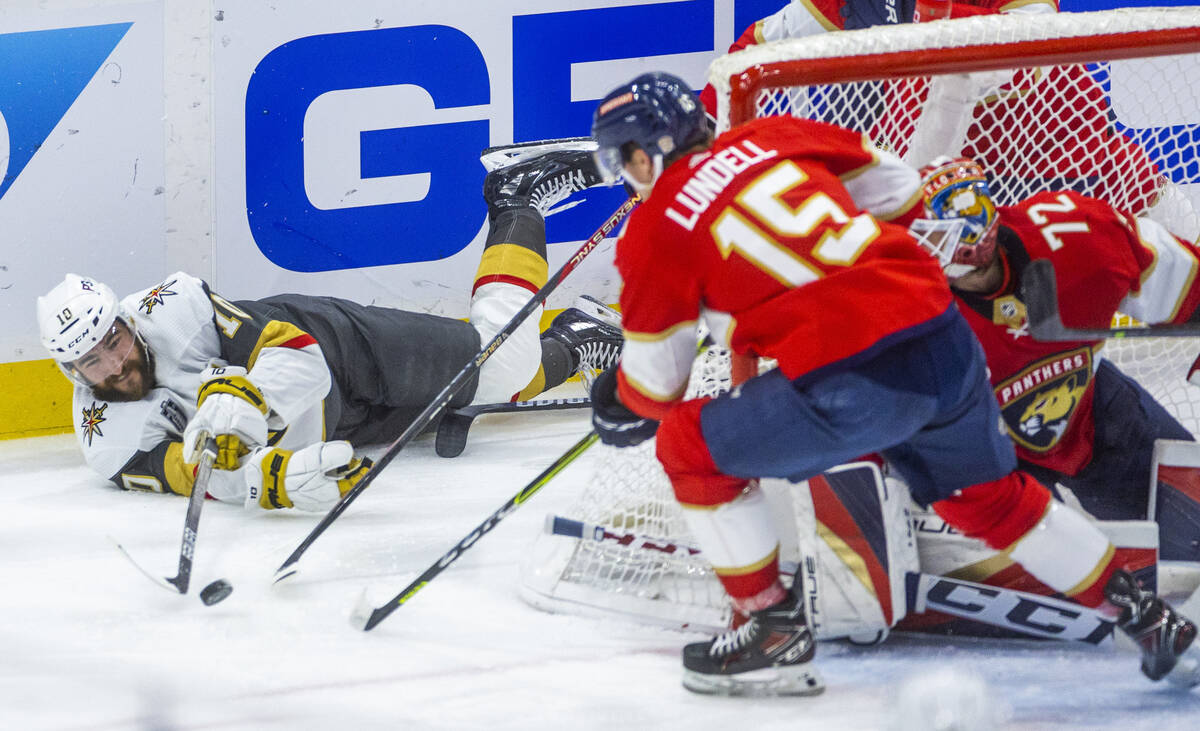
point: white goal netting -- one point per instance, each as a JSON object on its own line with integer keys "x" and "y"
{"x": 1105, "y": 103}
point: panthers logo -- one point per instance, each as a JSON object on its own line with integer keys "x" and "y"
{"x": 1037, "y": 404}
{"x": 1051, "y": 409}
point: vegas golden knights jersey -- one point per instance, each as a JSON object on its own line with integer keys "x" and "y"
{"x": 329, "y": 369}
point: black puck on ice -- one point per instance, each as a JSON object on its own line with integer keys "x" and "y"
{"x": 215, "y": 592}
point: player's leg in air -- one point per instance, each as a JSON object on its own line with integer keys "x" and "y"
{"x": 933, "y": 389}
{"x": 513, "y": 268}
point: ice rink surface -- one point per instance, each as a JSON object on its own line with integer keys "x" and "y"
{"x": 86, "y": 642}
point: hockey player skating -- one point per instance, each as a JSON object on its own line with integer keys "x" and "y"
{"x": 1075, "y": 418}
{"x": 778, "y": 234}
{"x": 273, "y": 379}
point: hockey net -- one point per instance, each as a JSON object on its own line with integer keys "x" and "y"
{"x": 1105, "y": 103}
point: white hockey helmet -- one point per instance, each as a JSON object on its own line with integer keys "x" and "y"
{"x": 74, "y": 317}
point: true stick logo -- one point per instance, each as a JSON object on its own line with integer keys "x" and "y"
{"x": 45, "y": 71}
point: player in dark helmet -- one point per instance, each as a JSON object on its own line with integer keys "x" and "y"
{"x": 645, "y": 125}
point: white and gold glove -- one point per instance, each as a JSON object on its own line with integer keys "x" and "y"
{"x": 234, "y": 412}
{"x": 313, "y": 478}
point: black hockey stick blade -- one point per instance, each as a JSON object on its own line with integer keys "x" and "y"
{"x": 365, "y": 617}
{"x": 456, "y": 384}
{"x": 456, "y": 423}
{"x": 191, "y": 524}
{"x": 1039, "y": 290}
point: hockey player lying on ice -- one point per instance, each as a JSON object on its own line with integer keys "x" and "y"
{"x": 272, "y": 379}
{"x": 780, "y": 234}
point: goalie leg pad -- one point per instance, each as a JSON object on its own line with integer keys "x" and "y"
{"x": 1176, "y": 499}
{"x": 855, "y": 536}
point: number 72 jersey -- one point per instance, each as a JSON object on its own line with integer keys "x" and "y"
{"x": 784, "y": 238}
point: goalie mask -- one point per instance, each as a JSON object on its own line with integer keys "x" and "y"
{"x": 83, "y": 327}
{"x": 960, "y": 225}
{"x": 657, "y": 112}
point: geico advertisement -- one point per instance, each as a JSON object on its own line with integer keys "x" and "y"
{"x": 81, "y": 156}
{"x": 348, "y": 134}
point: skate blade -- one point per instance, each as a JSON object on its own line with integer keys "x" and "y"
{"x": 1186, "y": 673}
{"x": 593, "y": 307}
{"x": 788, "y": 680}
{"x": 502, "y": 156}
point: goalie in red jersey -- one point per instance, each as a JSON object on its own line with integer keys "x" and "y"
{"x": 1076, "y": 419}
{"x": 782, "y": 235}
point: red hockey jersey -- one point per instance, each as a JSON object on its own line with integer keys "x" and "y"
{"x": 1106, "y": 261}
{"x": 766, "y": 236}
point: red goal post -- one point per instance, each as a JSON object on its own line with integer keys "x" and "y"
{"x": 978, "y": 43}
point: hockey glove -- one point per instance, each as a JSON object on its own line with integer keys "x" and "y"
{"x": 615, "y": 424}
{"x": 313, "y": 478}
{"x": 234, "y": 412}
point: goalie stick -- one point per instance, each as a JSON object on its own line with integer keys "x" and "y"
{"x": 1018, "y": 611}
{"x": 439, "y": 402}
{"x": 1039, "y": 290}
{"x": 191, "y": 524}
{"x": 452, "y": 430}
{"x": 365, "y": 616}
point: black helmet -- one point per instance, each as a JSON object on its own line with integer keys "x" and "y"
{"x": 657, "y": 111}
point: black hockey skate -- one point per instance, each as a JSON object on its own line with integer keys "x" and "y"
{"x": 1166, "y": 638}
{"x": 541, "y": 182}
{"x": 592, "y": 333}
{"x": 771, "y": 654}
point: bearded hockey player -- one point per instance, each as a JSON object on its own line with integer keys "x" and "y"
{"x": 272, "y": 380}
{"x": 777, "y": 234}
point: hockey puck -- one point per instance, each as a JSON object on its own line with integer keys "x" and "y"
{"x": 215, "y": 592}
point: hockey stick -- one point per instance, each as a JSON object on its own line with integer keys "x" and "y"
{"x": 452, "y": 429}
{"x": 288, "y": 567}
{"x": 191, "y": 523}
{"x": 1039, "y": 290}
{"x": 1017, "y": 611}
{"x": 365, "y": 616}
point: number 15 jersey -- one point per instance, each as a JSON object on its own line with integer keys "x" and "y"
{"x": 784, "y": 238}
